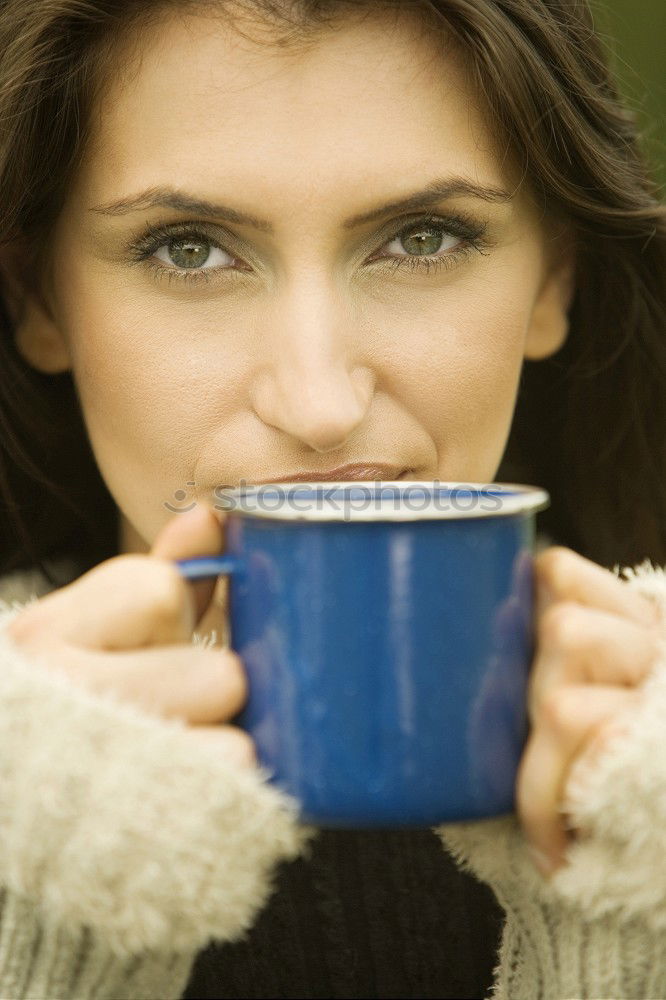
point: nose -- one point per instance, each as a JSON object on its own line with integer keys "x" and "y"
{"x": 311, "y": 383}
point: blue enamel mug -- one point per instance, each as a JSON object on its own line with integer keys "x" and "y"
{"x": 387, "y": 633}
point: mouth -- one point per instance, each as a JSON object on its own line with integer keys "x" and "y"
{"x": 357, "y": 472}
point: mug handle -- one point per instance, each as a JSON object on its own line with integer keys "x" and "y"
{"x": 205, "y": 567}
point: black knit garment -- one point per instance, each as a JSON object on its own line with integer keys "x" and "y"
{"x": 370, "y": 914}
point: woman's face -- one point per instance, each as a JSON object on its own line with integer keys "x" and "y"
{"x": 277, "y": 260}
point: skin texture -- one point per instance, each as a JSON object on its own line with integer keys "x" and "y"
{"x": 305, "y": 350}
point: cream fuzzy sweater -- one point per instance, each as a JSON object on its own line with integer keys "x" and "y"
{"x": 125, "y": 847}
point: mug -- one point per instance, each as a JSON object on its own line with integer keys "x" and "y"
{"x": 387, "y": 633}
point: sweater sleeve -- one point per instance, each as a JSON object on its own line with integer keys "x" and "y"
{"x": 125, "y": 845}
{"x": 597, "y": 928}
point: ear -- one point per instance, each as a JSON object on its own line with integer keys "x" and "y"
{"x": 549, "y": 323}
{"x": 38, "y": 339}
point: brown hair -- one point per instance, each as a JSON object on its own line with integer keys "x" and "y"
{"x": 590, "y": 423}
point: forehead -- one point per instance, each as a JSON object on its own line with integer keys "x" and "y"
{"x": 198, "y": 105}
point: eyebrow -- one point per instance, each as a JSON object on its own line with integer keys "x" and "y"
{"x": 181, "y": 201}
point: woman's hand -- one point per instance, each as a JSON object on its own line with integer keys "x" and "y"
{"x": 126, "y": 627}
{"x": 596, "y": 642}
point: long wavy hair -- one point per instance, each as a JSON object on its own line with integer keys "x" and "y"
{"x": 590, "y": 422}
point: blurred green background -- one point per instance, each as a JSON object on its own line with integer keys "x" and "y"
{"x": 635, "y": 31}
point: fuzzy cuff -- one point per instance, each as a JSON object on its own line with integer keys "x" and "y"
{"x": 116, "y": 821}
{"x": 617, "y": 866}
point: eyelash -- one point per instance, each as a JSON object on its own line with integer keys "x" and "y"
{"x": 470, "y": 232}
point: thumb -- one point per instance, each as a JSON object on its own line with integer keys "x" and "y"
{"x": 196, "y": 532}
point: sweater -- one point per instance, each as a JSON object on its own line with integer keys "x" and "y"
{"x": 126, "y": 847}
{"x": 366, "y": 914}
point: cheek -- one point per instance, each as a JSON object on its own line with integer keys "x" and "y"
{"x": 152, "y": 395}
{"x": 459, "y": 364}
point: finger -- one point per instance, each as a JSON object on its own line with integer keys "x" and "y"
{"x": 196, "y": 532}
{"x": 562, "y": 574}
{"x": 123, "y": 603}
{"x": 192, "y": 683}
{"x": 577, "y": 645}
{"x": 568, "y": 720}
{"x": 232, "y": 744}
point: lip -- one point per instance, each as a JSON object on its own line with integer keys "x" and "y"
{"x": 357, "y": 472}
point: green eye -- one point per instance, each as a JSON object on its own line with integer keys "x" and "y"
{"x": 424, "y": 241}
{"x": 188, "y": 253}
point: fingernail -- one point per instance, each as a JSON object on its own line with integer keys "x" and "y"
{"x": 543, "y": 862}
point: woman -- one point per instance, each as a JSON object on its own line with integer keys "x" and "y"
{"x": 199, "y": 288}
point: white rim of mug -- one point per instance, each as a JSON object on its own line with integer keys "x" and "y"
{"x": 520, "y": 499}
